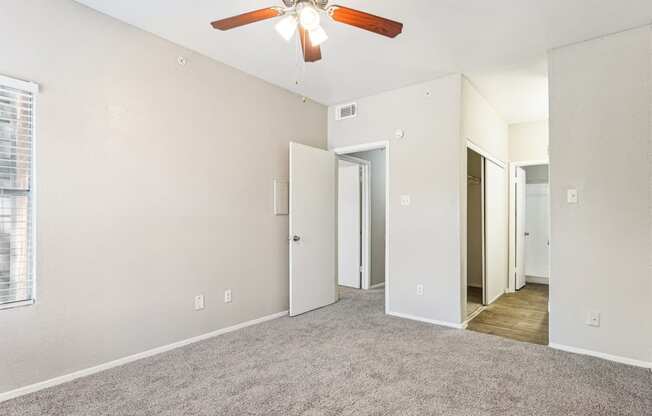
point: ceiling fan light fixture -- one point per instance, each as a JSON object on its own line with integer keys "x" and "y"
{"x": 318, "y": 36}
{"x": 308, "y": 17}
{"x": 286, "y": 27}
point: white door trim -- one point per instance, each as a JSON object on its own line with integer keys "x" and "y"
{"x": 364, "y": 148}
{"x": 365, "y": 242}
{"x": 512, "y": 215}
{"x": 485, "y": 154}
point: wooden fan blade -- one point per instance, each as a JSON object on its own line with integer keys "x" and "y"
{"x": 366, "y": 21}
{"x": 246, "y": 18}
{"x": 310, "y": 53}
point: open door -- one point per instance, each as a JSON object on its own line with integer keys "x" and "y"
{"x": 496, "y": 231}
{"x": 519, "y": 228}
{"x": 349, "y": 225}
{"x": 313, "y": 190}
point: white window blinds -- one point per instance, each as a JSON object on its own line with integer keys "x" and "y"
{"x": 17, "y": 103}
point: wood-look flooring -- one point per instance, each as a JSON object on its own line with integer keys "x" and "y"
{"x": 473, "y": 300}
{"x": 522, "y": 316}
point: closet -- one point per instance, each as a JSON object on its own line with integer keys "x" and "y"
{"x": 487, "y": 231}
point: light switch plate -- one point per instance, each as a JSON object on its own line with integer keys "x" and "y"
{"x": 405, "y": 200}
{"x": 572, "y": 196}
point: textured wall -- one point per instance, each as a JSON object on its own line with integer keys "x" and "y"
{"x": 154, "y": 185}
{"x": 423, "y": 238}
{"x": 600, "y": 126}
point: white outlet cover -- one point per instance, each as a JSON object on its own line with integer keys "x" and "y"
{"x": 199, "y": 302}
{"x": 227, "y": 296}
{"x": 420, "y": 290}
{"x": 572, "y": 196}
{"x": 593, "y": 319}
{"x": 406, "y": 200}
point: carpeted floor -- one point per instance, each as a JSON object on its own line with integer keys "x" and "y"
{"x": 351, "y": 359}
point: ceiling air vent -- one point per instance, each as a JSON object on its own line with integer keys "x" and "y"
{"x": 345, "y": 111}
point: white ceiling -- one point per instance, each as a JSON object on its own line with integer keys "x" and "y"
{"x": 499, "y": 44}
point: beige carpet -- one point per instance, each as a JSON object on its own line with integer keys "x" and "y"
{"x": 351, "y": 359}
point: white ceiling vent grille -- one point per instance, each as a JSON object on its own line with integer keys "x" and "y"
{"x": 345, "y": 111}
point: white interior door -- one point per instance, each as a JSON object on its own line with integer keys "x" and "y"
{"x": 496, "y": 231}
{"x": 313, "y": 207}
{"x": 520, "y": 190}
{"x": 538, "y": 238}
{"x": 349, "y": 224}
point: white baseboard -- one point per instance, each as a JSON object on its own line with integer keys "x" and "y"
{"x": 537, "y": 279}
{"x": 378, "y": 286}
{"x": 125, "y": 360}
{"x": 471, "y": 317}
{"x": 604, "y": 356}
{"x": 428, "y": 321}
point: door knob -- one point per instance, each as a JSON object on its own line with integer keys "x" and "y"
{"x": 527, "y": 234}
{"x": 296, "y": 238}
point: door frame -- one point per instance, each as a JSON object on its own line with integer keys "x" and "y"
{"x": 364, "y": 147}
{"x": 464, "y": 234}
{"x": 512, "y": 214}
{"x": 365, "y": 218}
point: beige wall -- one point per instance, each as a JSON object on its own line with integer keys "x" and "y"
{"x": 482, "y": 125}
{"x": 528, "y": 141}
{"x": 424, "y": 237}
{"x": 600, "y": 144}
{"x": 154, "y": 185}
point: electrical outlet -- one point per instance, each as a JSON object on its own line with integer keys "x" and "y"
{"x": 572, "y": 196}
{"x": 405, "y": 200}
{"x": 593, "y": 319}
{"x": 199, "y": 302}
{"x": 420, "y": 290}
{"x": 227, "y": 296}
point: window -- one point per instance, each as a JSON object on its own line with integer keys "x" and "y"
{"x": 17, "y": 104}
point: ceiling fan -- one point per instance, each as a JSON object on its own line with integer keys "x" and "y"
{"x": 304, "y": 16}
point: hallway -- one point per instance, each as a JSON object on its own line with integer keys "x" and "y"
{"x": 521, "y": 316}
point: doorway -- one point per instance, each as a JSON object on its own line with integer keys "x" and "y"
{"x": 312, "y": 207}
{"x": 522, "y": 314}
{"x": 487, "y": 231}
{"x": 475, "y": 234}
{"x": 361, "y": 219}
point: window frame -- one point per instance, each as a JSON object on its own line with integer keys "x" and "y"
{"x": 34, "y": 89}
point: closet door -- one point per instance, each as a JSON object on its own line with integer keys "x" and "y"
{"x": 495, "y": 231}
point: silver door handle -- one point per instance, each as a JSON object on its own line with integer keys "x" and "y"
{"x": 527, "y": 234}
{"x": 296, "y": 238}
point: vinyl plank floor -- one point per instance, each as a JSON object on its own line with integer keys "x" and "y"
{"x": 521, "y": 316}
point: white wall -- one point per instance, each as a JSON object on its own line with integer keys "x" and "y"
{"x": 377, "y": 176}
{"x": 423, "y": 238}
{"x": 600, "y": 144}
{"x": 154, "y": 185}
{"x": 482, "y": 125}
{"x": 529, "y": 141}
